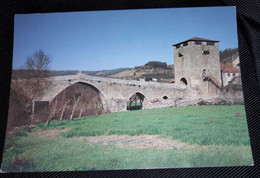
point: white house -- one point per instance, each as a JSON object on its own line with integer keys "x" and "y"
{"x": 230, "y": 75}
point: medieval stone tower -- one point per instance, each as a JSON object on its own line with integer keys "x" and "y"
{"x": 196, "y": 64}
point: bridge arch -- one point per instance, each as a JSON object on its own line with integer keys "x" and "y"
{"x": 138, "y": 93}
{"x": 72, "y": 82}
{"x": 78, "y": 88}
{"x": 90, "y": 84}
{"x": 137, "y": 99}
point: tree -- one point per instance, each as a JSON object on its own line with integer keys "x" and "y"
{"x": 53, "y": 111}
{"x": 64, "y": 107}
{"x": 156, "y": 64}
{"x": 30, "y": 86}
{"x": 76, "y": 101}
{"x": 36, "y": 82}
{"x": 82, "y": 106}
{"x": 36, "y": 69}
{"x": 18, "y": 112}
{"x": 227, "y": 55}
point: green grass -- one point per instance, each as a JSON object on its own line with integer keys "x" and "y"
{"x": 225, "y": 136}
{"x": 195, "y": 125}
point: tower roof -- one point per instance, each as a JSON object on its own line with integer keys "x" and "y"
{"x": 196, "y": 39}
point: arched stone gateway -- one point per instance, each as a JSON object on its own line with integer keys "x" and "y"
{"x": 136, "y": 101}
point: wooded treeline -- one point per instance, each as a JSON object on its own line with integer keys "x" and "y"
{"x": 227, "y": 57}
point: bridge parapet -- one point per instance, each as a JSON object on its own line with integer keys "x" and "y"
{"x": 117, "y": 81}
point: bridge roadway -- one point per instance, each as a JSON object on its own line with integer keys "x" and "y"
{"x": 115, "y": 93}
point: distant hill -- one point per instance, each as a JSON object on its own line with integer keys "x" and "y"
{"x": 100, "y": 73}
{"x": 153, "y": 69}
{"x": 19, "y": 73}
{"x": 164, "y": 73}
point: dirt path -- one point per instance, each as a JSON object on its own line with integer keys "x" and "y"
{"x": 126, "y": 141}
{"x": 50, "y": 133}
{"x": 140, "y": 142}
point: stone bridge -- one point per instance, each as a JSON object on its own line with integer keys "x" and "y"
{"x": 115, "y": 93}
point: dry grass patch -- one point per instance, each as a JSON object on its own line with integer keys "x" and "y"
{"x": 50, "y": 133}
{"x": 139, "y": 141}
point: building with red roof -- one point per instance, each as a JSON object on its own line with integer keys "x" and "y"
{"x": 230, "y": 75}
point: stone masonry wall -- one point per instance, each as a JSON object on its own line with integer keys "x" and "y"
{"x": 192, "y": 62}
{"x": 115, "y": 93}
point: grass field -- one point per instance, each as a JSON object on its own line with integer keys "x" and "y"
{"x": 206, "y": 136}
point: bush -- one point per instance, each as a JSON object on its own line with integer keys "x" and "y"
{"x": 148, "y": 79}
{"x": 234, "y": 87}
{"x": 203, "y": 102}
{"x": 156, "y": 64}
{"x": 239, "y": 102}
{"x": 21, "y": 133}
{"x": 19, "y": 165}
{"x": 223, "y": 101}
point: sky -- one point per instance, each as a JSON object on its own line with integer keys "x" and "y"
{"x": 98, "y": 40}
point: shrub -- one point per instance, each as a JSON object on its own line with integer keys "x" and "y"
{"x": 19, "y": 165}
{"x": 148, "y": 79}
{"x": 156, "y": 64}
{"x": 203, "y": 102}
{"x": 239, "y": 102}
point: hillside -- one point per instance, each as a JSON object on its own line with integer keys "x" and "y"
{"x": 147, "y": 73}
{"x": 163, "y": 72}
{"x": 100, "y": 73}
{"x": 166, "y": 73}
{"x": 20, "y": 73}
{"x": 227, "y": 57}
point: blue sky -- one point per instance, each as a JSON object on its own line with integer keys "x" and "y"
{"x": 100, "y": 40}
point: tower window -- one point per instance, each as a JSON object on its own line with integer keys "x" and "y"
{"x": 180, "y": 55}
{"x": 206, "y": 52}
{"x": 177, "y": 46}
{"x": 198, "y": 43}
{"x": 210, "y": 43}
{"x": 184, "y": 81}
{"x": 185, "y": 44}
{"x": 204, "y": 72}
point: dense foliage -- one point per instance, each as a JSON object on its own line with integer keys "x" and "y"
{"x": 227, "y": 54}
{"x": 156, "y": 64}
{"x": 227, "y": 57}
{"x": 158, "y": 76}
